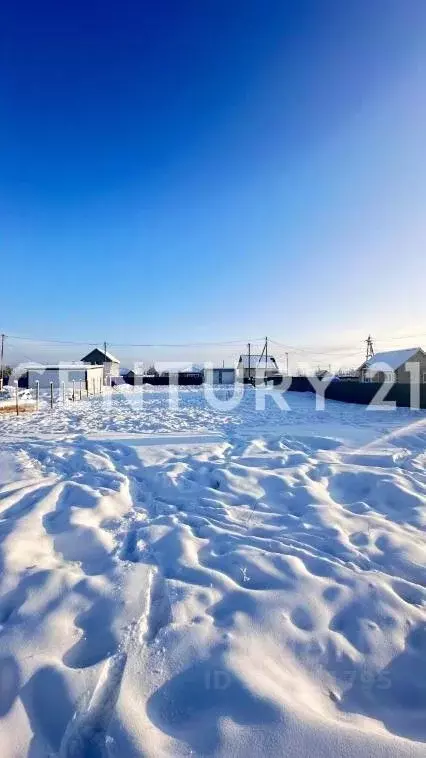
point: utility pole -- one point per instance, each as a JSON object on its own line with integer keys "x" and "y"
{"x": 1, "y": 361}
{"x": 370, "y": 349}
{"x": 264, "y": 353}
{"x": 105, "y": 360}
{"x": 265, "y": 378}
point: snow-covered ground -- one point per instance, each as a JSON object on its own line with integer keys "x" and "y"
{"x": 8, "y": 399}
{"x": 196, "y": 581}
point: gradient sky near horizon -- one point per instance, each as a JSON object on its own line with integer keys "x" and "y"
{"x": 211, "y": 170}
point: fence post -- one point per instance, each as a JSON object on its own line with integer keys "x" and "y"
{"x": 63, "y": 392}
{"x": 51, "y": 395}
{"x": 37, "y": 393}
{"x": 73, "y": 389}
{"x": 17, "y": 398}
{"x": 80, "y": 390}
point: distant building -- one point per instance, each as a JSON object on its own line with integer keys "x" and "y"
{"x": 61, "y": 374}
{"x": 391, "y": 366}
{"x": 220, "y": 375}
{"x": 111, "y": 365}
{"x": 257, "y": 366}
{"x": 133, "y": 377}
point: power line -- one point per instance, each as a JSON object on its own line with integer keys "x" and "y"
{"x": 46, "y": 341}
{"x": 183, "y": 344}
{"x": 130, "y": 344}
{"x": 339, "y": 351}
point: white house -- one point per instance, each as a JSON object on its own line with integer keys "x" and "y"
{"x": 61, "y": 374}
{"x": 401, "y": 366}
{"x": 111, "y": 365}
{"x": 257, "y": 366}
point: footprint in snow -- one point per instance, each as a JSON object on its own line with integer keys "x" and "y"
{"x": 86, "y": 734}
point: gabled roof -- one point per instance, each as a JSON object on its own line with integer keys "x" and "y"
{"x": 258, "y": 361}
{"x": 110, "y": 358}
{"x": 393, "y": 359}
{"x": 77, "y": 366}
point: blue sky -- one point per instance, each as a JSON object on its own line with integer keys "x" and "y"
{"x": 206, "y": 171}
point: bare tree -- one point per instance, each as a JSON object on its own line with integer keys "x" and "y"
{"x": 152, "y": 371}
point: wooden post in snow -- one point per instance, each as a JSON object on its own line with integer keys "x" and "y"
{"x": 80, "y": 390}
{"x": 17, "y": 398}
{"x": 51, "y": 395}
{"x": 63, "y": 392}
{"x": 37, "y": 394}
{"x": 73, "y": 389}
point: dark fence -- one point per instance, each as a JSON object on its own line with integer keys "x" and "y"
{"x": 363, "y": 393}
{"x": 184, "y": 379}
{"x": 300, "y": 384}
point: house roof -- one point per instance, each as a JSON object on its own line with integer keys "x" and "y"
{"x": 110, "y": 358}
{"x": 78, "y": 366}
{"x": 257, "y": 360}
{"x": 393, "y": 359}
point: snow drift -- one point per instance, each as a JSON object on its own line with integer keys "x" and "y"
{"x": 181, "y": 581}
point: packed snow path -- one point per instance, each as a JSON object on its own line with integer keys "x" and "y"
{"x": 195, "y": 582}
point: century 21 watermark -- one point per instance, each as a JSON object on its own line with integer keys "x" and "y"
{"x": 224, "y": 389}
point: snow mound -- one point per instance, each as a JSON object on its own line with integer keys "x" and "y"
{"x": 183, "y": 581}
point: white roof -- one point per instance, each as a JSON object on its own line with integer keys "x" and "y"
{"x": 58, "y": 367}
{"x": 258, "y": 361}
{"x": 109, "y": 356}
{"x": 393, "y": 359}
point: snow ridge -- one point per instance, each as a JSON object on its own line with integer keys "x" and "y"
{"x": 253, "y": 584}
